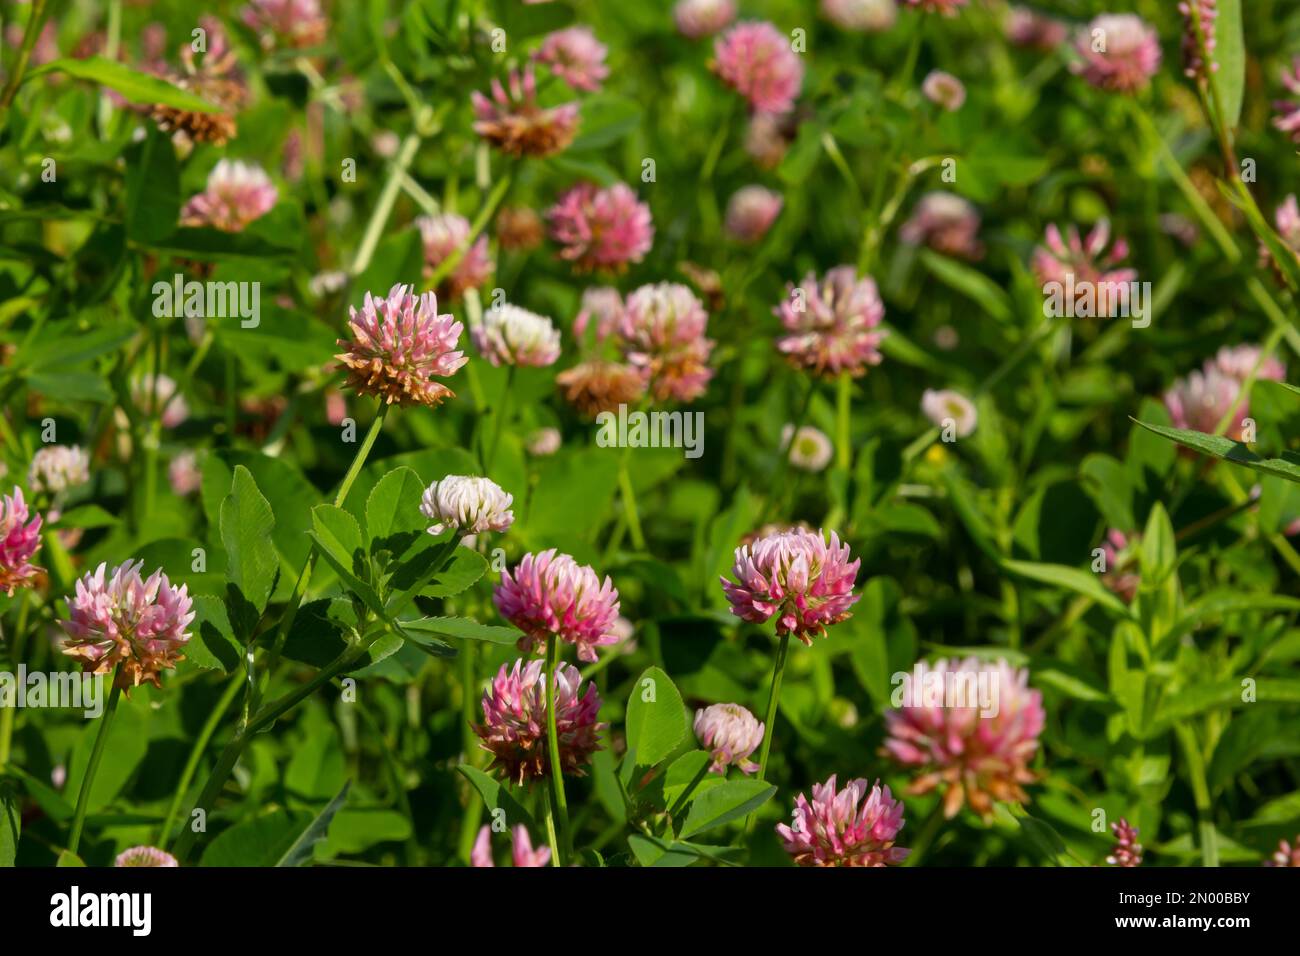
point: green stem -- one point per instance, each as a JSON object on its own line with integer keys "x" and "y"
{"x": 773, "y": 697}
{"x": 879, "y": 224}
{"x": 469, "y": 744}
{"x": 384, "y": 206}
{"x": 719, "y": 140}
{"x": 151, "y": 432}
{"x": 904, "y": 78}
{"x": 96, "y": 756}
{"x": 837, "y": 159}
{"x": 503, "y": 412}
{"x": 551, "y": 837}
{"x": 1217, "y": 231}
{"x": 359, "y": 460}
{"x": 553, "y": 753}
{"x": 232, "y": 400}
{"x": 843, "y": 403}
{"x": 1265, "y": 353}
{"x": 926, "y": 836}
{"x": 1222, "y": 238}
{"x": 265, "y": 717}
{"x": 1200, "y": 793}
{"x": 112, "y": 43}
{"x": 1210, "y": 82}
{"x": 270, "y": 713}
{"x": 787, "y": 449}
{"x": 397, "y": 778}
{"x": 480, "y": 222}
{"x": 196, "y": 754}
{"x": 304, "y": 576}
{"x": 34, "y": 23}
{"x": 9, "y": 715}
{"x": 628, "y": 494}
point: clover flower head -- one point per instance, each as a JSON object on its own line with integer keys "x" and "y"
{"x": 158, "y": 394}
{"x": 751, "y": 212}
{"x": 730, "y": 733}
{"x": 468, "y": 503}
{"x": 604, "y": 305}
{"x": 295, "y": 24}
{"x": 796, "y": 576}
{"x": 543, "y": 442}
{"x": 509, "y": 335}
{"x": 946, "y": 223}
{"x": 702, "y": 18}
{"x": 756, "y": 60}
{"x": 1238, "y": 361}
{"x": 1026, "y": 27}
{"x": 1200, "y": 400}
{"x": 1118, "y": 52}
{"x": 976, "y": 755}
{"x": 601, "y": 228}
{"x": 56, "y": 468}
{"x": 552, "y": 595}
{"x": 443, "y": 236}
{"x": 832, "y": 326}
{"x": 769, "y": 135}
{"x": 810, "y": 448}
{"x": 576, "y": 56}
{"x": 946, "y": 405}
{"x": 145, "y": 856}
{"x": 184, "y": 474}
{"x": 663, "y": 337}
{"x": 215, "y": 79}
{"x": 398, "y": 345}
{"x": 125, "y": 622}
{"x": 521, "y": 849}
{"x": 514, "y": 122}
{"x": 599, "y": 385}
{"x": 856, "y": 826}
{"x": 944, "y": 89}
{"x": 20, "y": 539}
{"x": 324, "y": 284}
{"x": 514, "y": 721}
{"x": 1081, "y": 262}
{"x": 237, "y": 194}
{"x": 948, "y": 8}
{"x": 219, "y": 57}
{"x": 863, "y": 16}
{"x": 519, "y": 228}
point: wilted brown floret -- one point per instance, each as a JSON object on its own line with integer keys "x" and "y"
{"x": 214, "y": 128}
{"x": 600, "y": 386}
{"x": 519, "y": 227}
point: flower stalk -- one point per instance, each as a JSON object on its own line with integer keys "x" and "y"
{"x": 773, "y": 697}
{"x": 92, "y": 768}
{"x": 561, "y": 809}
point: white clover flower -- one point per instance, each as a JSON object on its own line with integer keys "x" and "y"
{"x": 323, "y": 284}
{"x": 543, "y": 442}
{"x": 510, "y": 335}
{"x": 810, "y": 450}
{"x": 946, "y": 405}
{"x": 56, "y": 468}
{"x": 468, "y": 503}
